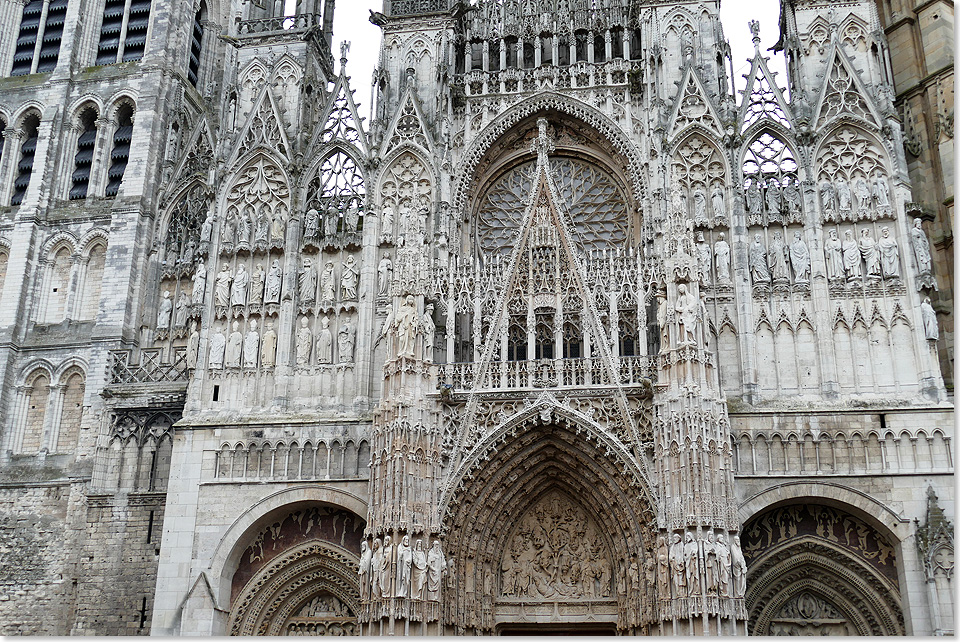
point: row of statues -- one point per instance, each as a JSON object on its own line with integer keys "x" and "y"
{"x": 253, "y": 228}
{"x": 404, "y": 326}
{"x": 403, "y": 570}
{"x": 238, "y": 350}
{"x": 773, "y": 199}
{"x": 860, "y": 199}
{"x": 323, "y": 352}
{"x": 241, "y": 288}
{"x": 330, "y": 290}
{"x": 852, "y": 260}
{"x": 704, "y": 566}
{"x": 776, "y": 262}
{"x": 718, "y": 257}
{"x": 326, "y": 226}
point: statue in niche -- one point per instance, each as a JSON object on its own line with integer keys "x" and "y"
{"x": 351, "y": 219}
{"x": 716, "y": 196}
{"x": 278, "y": 227}
{"x": 218, "y": 344}
{"x": 800, "y": 259}
{"x": 677, "y": 566}
{"x": 436, "y": 565}
{"x": 844, "y": 197}
{"x": 238, "y": 292}
{"x": 721, "y": 251}
{"x": 758, "y": 261}
{"x": 723, "y": 566}
{"x": 418, "y": 574}
{"x": 327, "y": 289}
{"x": 870, "y": 254}
{"x": 206, "y": 232}
{"x": 230, "y": 228}
{"x": 165, "y": 311}
{"x": 754, "y": 197}
{"x": 828, "y": 197}
{"x": 386, "y": 586}
{"x": 311, "y": 224}
{"x": 429, "y": 329}
{"x": 711, "y": 569}
{"x": 244, "y": 227}
{"x": 271, "y": 289}
{"x": 738, "y": 567}
{"x": 345, "y": 342}
{"x": 862, "y": 191}
{"x": 234, "y": 347}
{"x": 406, "y": 328}
{"x": 791, "y": 195}
{"x": 304, "y": 343}
{"x": 386, "y": 225}
{"x": 699, "y": 206}
{"x": 931, "y": 329}
{"x": 881, "y": 192}
{"x": 704, "y": 257}
{"x": 851, "y": 257}
{"x": 404, "y": 562}
{"x": 889, "y": 254}
{"x": 376, "y": 561}
{"x": 921, "y": 248}
{"x": 251, "y": 346}
{"x": 182, "y": 310}
{"x": 777, "y": 258}
{"x": 268, "y": 347}
{"x": 663, "y": 569}
{"x": 324, "y": 342}
{"x": 349, "y": 277}
{"x": 261, "y": 233}
{"x": 186, "y": 259}
{"x": 833, "y": 249}
{"x": 330, "y": 222}
{"x": 307, "y": 282}
{"x": 199, "y": 282}
{"x": 691, "y": 562}
{"x": 193, "y": 346}
{"x": 384, "y": 275}
{"x": 773, "y": 197}
{"x": 222, "y": 286}
{"x": 366, "y": 557}
{"x": 256, "y": 285}
{"x": 687, "y": 312}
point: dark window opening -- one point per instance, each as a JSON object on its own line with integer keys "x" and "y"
{"x": 546, "y": 50}
{"x": 635, "y": 44}
{"x": 529, "y": 55}
{"x": 628, "y": 333}
{"x": 572, "y": 340}
{"x": 143, "y": 613}
{"x": 84, "y": 158}
{"x": 544, "y": 337}
{"x": 196, "y": 45}
{"x": 581, "y": 40}
{"x": 216, "y": 393}
{"x": 31, "y": 127}
{"x": 27, "y": 57}
{"x": 3, "y": 140}
{"x": 512, "y": 46}
{"x": 599, "y": 48}
{"x": 121, "y": 150}
{"x": 476, "y": 55}
{"x": 616, "y": 43}
{"x": 653, "y": 329}
{"x": 563, "y": 51}
{"x": 150, "y": 528}
{"x": 516, "y": 343}
{"x": 494, "y": 53}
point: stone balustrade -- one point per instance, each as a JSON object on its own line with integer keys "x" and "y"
{"x": 545, "y": 373}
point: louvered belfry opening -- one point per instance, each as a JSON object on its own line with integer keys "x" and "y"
{"x": 121, "y": 42}
{"x": 28, "y": 58}
{"x": 121, "y": 150}
{"x": 84, "y": 158}
{"x": 52, "y": 34}
{"x": 27, "y": 39}
{"x": 31, "y": 127}
{"x": 136, "y": 36}
{"x": 196, "y": 45}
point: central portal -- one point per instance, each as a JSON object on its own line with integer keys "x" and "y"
{"x": 547, "y": 629}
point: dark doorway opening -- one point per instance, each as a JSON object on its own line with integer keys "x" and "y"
{"x": 586, "y": 629}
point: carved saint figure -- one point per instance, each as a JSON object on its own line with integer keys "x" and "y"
{"x": 889, "y": 254}
{"x": 193, "y": 346}
{"x": 691, "y": 560}
{"x": 717, "y": 199}
{"x": 307, "y": 282}
{"x": 376, "y": 561}
{"x": 881, "y": 192}
{"x": 278, "y": 226}
{"x": 677, "y": 565}
{"x": 862, "y": 191}
{"x": 330, "y": 223}
{"x": 792, "y": 197}
{"x": 183, "y": 307}
{"x": 773, "y": 198}
{"x": 206, "y": 230}
{"x": 238, "y": 292}
{"x": 351, "y": 218}
{"x": 349, "y": 277}
{"x": 436, "y": 565}
{"x": 921, "y": 248}
{"x": 222, "y": 286}
{"x": 828, "y": 197}
{"x": 429, "y": 329}
{"x": 268, "y": 347}
{"x": 324, "y": 342}
{"x": 304, "y": 343}
{"x": 686, "y": 308}
{"x": 199, "y": 282}
{"x": 271, "y": 290}
{"x": 234, "y": 347}
{"x": 844, "y": 197}
{"x": 311, "y": 223}
{"x": 800, "y": 259}
{"x": 384, "y": 274}
{"x": 418, "y": 575}
{"x": 218, "y": 344}
{"x": 406, "y": 328}
{"x": 366, "y": 556}
{"x": 404, "y": 562}
{"x": 386, "y": 585}
{"x": 165, "y": 311}
{"x": 833, "y": 249}
{"x": 754, "y": 198}
{"x": 711, "y": 568}
{"x": 738, "y": 567}
{"x": 327, "y": 291}
{"x": 721, "y": 251}
{"x": 251, "y": 346}
{"x": 758, "y": 261}
{"x": 386, "y": 224}
{"x": 777, "y": 258}
{"x": 870, "y": 254}
{"x": 345, "y": 342}
{"x": 931, "y": 328}
{"x": 851, "y": 256}
{"x": 723, "y": 565}
{"x": 244, "y": 228}
{"x": 699, "y": 206}
{"x": 230, "y": 228}
{"x": 703, "y": 257}
{"x": 256, "y": 285}
{"x": 261, "y": 232}
{"x": 663, "y": 569}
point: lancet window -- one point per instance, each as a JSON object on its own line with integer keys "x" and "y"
{"x": 196, "y": 45}
{"x": 120, "y": 153}
{"x": 31, "y": 129}
{"x": 338, "y": 184}
{"x": 84, "y": 157}
{"x": 123, "y": 32}
{"x": 770, "y": 182}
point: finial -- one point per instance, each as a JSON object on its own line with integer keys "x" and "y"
{"x": 754, "y": 26}
{"x": 544, "y": 144}
{"x": 344, "y": 48}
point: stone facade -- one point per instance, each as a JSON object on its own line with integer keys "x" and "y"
{"x": 569, "y": 337}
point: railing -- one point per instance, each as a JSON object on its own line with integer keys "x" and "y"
{"x": 151, "y": 367}
{"x": 408, "y": 7}
{"x": 546, "y": 373}
{"x": 276, "y": 25}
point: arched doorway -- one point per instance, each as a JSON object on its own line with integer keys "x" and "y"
{"x": 298, "y": 575}
{"x": 820, "y": 570}
{"x": 551, "y": 534}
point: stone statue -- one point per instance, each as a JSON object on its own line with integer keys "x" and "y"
{"x": 723, "y": 566}
{"x": 268, "y": 347}
{"x": 349, "y": 276}
{"x": 330, "y": 223}
{"x": 244, "y": 227}
{"x": 324, "y": 342}
{"x": 436, "y": 565}
{"x": 183, "y": 308}
{"x": 754, "y": 198}
{"x": 881, "y": 192}
{"x": 165, "y": 312}
{"x": 251, "y": 346}
{"x": 386, "y": 586}
{"x": 931, "y": 328}
{"x": 351, "y": 219}
{"x": 278, "y": 226}
{"x": 304, "y": 343}
{"x": 699, "y": 206}
{"x": 663, "y": 569}
{"x": 862, "y": 191}
{"x": 800, "y": 259}
{"x": 406, "y": 328}
{"x": 704, "y": 257}
{"x": 833, "y": 249}
{"x": 691, "y": 561}
{"x": 773, "y": 197}
{"x": 271, "y": 290}
{"x": 828, "y": 197}
{"x": 758, "y": 261}
{"x": 311, "y": 223}
{"x": 921, "y": 248}
{"x": 345, "y": 342}
{"x": 844, "y": 197}
{"x": 238, "y": 292}
{"x": 889, "y": 254}
{"x": 717, "y": 198}
{"x": 261, "y": 232}
{"x": 386, "y": 224}
{"x": 366, "y": 557}
{"x": 199, "y": 282}
{"x": 870, "y": 254}
{"x": 229, "y": 235}
{"x": 376, "y": 562}
{"x": 193, "y": 346}
{"x": 721, "y": 252}
{"x": 327, "y": 289}
{"x": 777, "y": 258}
{"x": 418, "y": 575}
{"x": 792, "y": 197}
{"x": 384, "y": 275}
{"x": 851, "y": 257}
{"x": 307, "y": 282}
{"x": 404, "y": 562}
{"x": 429, "y": 332}
{"x": 234, "y": 347}
{"x": 206, "y": 229}
{"x": 711, "y": 568}
{"x": 188, "y": 251}
{"x": 687, "y": 311}
{"x": 218, "y": 344}
{"x": 677, "y": 566}
{"x": 738, "y": 567}
{"x": 256, "y": 285}
{"x": 222, "y": 286}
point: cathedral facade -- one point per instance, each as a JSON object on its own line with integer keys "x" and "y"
{"x": 571, "y": 336}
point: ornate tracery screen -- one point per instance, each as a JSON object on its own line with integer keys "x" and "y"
{"x": 597, "y": 205}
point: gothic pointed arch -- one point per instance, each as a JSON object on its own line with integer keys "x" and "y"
{"x": 196, "y": 159}
{"x": 762, "y": 98}
{"x": 263, "y": 130}
{"x": 770, "y": 175}
{"x": 698, "y": 170}
{"x": 340, "y": 120}
{"x": 257, "y": 196}
{"x": 692, "y": 106}
{"x": 843, "y": 95}
{"x": 408, "y": 126}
